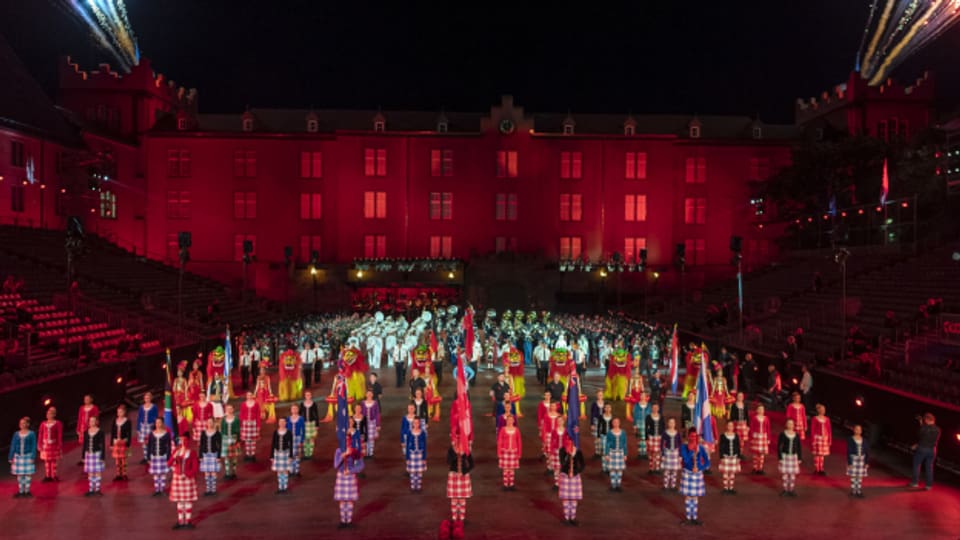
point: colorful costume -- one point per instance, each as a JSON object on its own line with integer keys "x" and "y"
{"x": 22, "y": 457}
{"x": 216, "y": 366}
{"x": 266, "y": 399}
{"x": 282, "y": 463}
{"x": 635, "y": 391}
{"x": 720, "y": 398}
{"x": 230, "y": 445}
{"x": 83, "y": 419}
{"x": 250, "y": 419}
{"x": 692, "y": 487}
{"x": 821, "y": 431}
{"x": 759, "y": 441}
{"x": 415, "y": 451}
{"x": 183, "y": 484}
{"x": 433, "y": 397}
{"x": 210, "y": 449}
{"x": 570, "y": 485}
{"x": 561, "y": 361}
{"x": 509, "y": 450}
{"x": 121, "y": 437}
{"x": 694, "y": 361}
{"x": 50, "y": 444}
{"x": 670, "y": 449}
{"x": 290, "y": 386}
{"x": 346, "y": 489}
{"x": 180, "y": 399}
{"x": 92, "y": 455}
{"x": 158, "y": 458}
{"x": 146, "y": 418}
{"x": 459, "y": 486}
{"x": 513, "y": 369}
{"x": 195, "y": 386}
{"x": 729, "y": 460}
{"x": 798, "y": 413}
{"x": 421, "y": 360}
{"x": 311, "y": 415}
{"x": 788, "y": 450}
{"x": 654, "y": 429}
{"x": 858, "y": 457}
{"x": 615, "y": 457}
{"x": 740, "y": 416}
{"x": 298, "y": 427}
{"x": 371, "y": 411}
{"x": 355, "y": 371}
{"x": 618, "y": 373}
{"x": 202, "y": 411}
{"x": 641, "y": 409}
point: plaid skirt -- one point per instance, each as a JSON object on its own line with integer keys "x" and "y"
{"x": 120, "y": 449}
{"x": 22, "y": 466}
{"x": 51, "y": 454}
{"x": 571, "y": 488}
{"x": 183, "y": 488}
{"x": 143, "y": 433}
{"x": 346, "y": 488}
{"x": 297, "y": 447}
{"x": 743, "y": 431}
{"x": 729, "y": 465}
{"x": 509, "y": 460}
{"x": 857, "y": 469}
{"x": 416, "y": 464}
{"x": 280, "y": 462}
{"x": 691, "y": 484}
{"x": 760, "y": 443}
{"x": 671, "y": 460}
{"x": 616, "y": 460}
{"x": 158, "y": 466}
{"x": 198, "y": 427}
{"x": 93, "y": 463}
{"x": 789, "y": 464}
{"x": 249, "y": 431}
{"x": 209, "y": 463}
{"x": 653, "y": 444}
{"x": 553, "y": 460}
{"x": 231, "y": 448}
{"x": 310, "y": 431}
{"x": 820, "y": 446}
{"x": 372, "y": 433}
{"x": 459, "y": 486}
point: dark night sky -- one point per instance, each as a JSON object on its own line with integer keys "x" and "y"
{"x": 746, "y": 56}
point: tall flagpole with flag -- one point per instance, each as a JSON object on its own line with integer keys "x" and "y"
{"x": 885, "y": 184}
{"x": 227, "y": 367}
{"x": 169, "y": 418}
{"x": 674, "y": 361}
{"x": 701, "y": 410}
{"x": 573, "y": 406}
{"x": 461, "y": 415}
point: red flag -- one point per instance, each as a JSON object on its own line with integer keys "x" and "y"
{"x": 674, "y": 361}
{"x": 461, "y": 416}
{"x": 433, "y": 343}
{"x": 468, "y": 332}
{"x": 885, "y": 186}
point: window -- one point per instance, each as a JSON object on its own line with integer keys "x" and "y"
{"x": 757, "y": 132}
{"x": 441, "y": 206}
{"x": 696, "y": 170}
{"x": 173, "y": 247}
{"x": 571, "y": 165}
{"x": 17, "y": 203}
{"x": 178, "y": 205}
{"x": 441, "y": 247}
{"x": 178, "y": 163}
{"x": 506, "y": 207}
{"x": 245, "y": 163}
{"x": 379, "y": 126}
{"x": 108, "y": 205}
{"x": 636, "y": 166}
{"x": 374, "y": 246}
{"x": 441, "y": 163}
{"x": 311, "y": 164}
{"x": 568, "y": 128}
{"x": 570, "y": 247}
{"x": 632, "y": 248}
{"x": 635, "y": 207}
{"x": 696, "y": 252}
{"x": 308, "y": 244}
{"x": 694, "y": 132}
{"x": 695, "y": 210}
{"x": 244, "y": 204}
{"x": 375, "y": 162}
{"x": 248, "y": 124}
{"x": 313, "y": 126}
{"x": 311, "y": 205}
{"x": 505, "y": 243}
{"x": 571, "y": 207}
{"x": 759, "y": 168}
{"x": 375, "y": 204}
{"x": 442, "y": 127}
{"x": 506, "y": 164}
{"x": 629, "y": 130}
{"x": 238, "y": 240}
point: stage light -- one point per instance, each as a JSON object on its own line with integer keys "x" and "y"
{"x": 43, "y": 186}
{"x": 359, "y": 274}
{"x": 603, "y": 273}
{"x": 957, "y": 437}
{"x": 809, "y": 220}
{"x": 904, "y": 204}
{"x": 826, "y": 217}
{"x": 313, "y": 271}
{"x": 450, "y": 275}
{"x": 860, "y": 211}
{"x": 879, "y": 209}
{"x": 25, "y": 182}
{"x": 63, "y": 190}
{"x": 858, "y": 401}
{"x": 119, "y": 380}
{"x": 656, "y": 275}
{"x": 843, "y": 214}
{"x": 47, "y": 401}
{"x": 795, "y": 381}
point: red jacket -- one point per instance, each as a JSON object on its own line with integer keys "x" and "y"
{"x": 760, "y": 427}
{"x": 505, "y": 441}
{"x": 186, "y": 465}
{"x": 83, "y": 419}
{"x": 202, "y": 412}
{"x": 50, "y": 438}
{"x": 821, "y": 429}
{"x": 250, "y": 412}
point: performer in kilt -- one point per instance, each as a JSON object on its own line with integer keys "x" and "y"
{"x": 654, "y": 427}
{"x": 406, "y": 424}
{"x": 615, "y": 454}
{"x": 603, "y": 427}
{"x": 370, "y": 408}
{"x": 692, "y": 487}
{"x": 230, "y": 442}
{"x": 415, "y": 451}
{"x": 821, "y": 435}
{"x": 87, "y": 410}
{"x": 183, "y": 483}
{"x": 730, "y": 449}
{"x": 688, "y": 411}
{"x": 22, "y": 457}
{"x": 311, "y": 418}
{"x": 211, "y": 446}
{"x": 858, "y": 456}
{"x": 297, "y": 425}
{"x": 92, "y": 455}
{"x": 159, "y": 447}
{"x": 121, "y": 436}
{"x": 788, "y": 450}
{"x": 571, "y": 485}
{"x": 50, "y": 444}
{"x": 670, "y": 449}
{"x": 798, "y": 413}
{"x": 357, "y": 438}
{"x": 739, "y": 416}
{"x": 641, "y": 410}
{"x": 759, "y": 439}
{"x": 596, "y": 413}
{"x": 146, "y": 416}
{"x": 556, "y": 444}
{"x": 504, "y": 407}
{"x": 202, "y": 410}
{"x": 346, "y": 490}
{"x": 250, "y": 426}
{"x": 459, "y": 487}
{"x": 509, "y": 450}
{"x": 547, "y": 427}
{"x": 282, "y": 451}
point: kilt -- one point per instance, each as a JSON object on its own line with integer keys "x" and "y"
{"x": 820, "y": 446}
{"x": 671, "y": 460}
{"x": 22, "y": 466}
{"x": 281, "y": 462}
{"x": 416, "y": 464}
{"x": 143, "y": 433}
{"x": 345, "y": 488}
{"x": 789, "y": 465}
{"x": 571, "y": 488}
{"x": 509, "y": 460}
{"x": 120, "y": 449}
{"x": 616, "y": 460}
{"x": 51, "y": 454}
{"x": 158, "y": 466}
{"x": 729, "y": 465}
{"x": 553, "y": 460}
{"x": 743, "y": 431}
{"x": 760, "y": 443}
{"x": 641, "y": 430}
{"x": 297, "y": 447}
{"x": 653, "y": 444}
{"x": 459, "y": 486}
{"x": 231, "y": 451}
{"x": 198, "y": 427}
{"x": 371, "y": 431}
{"x": 249, "y": 431}
{"x": 93, "y": 463}
{"x": 183, "y": 488}
{"x": 691, "y": 484}
{"x": 310, "y": 431}
{"x": 209, "y": 463}
{"x": 857, "y": 469}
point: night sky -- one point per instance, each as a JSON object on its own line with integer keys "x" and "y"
{"x": 744, "y": 57}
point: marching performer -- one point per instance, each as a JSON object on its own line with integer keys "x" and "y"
{"x": 692, "y": 487}
{"x": 759, "y": 439}
{"x": 739, "y": 416}
{"x": 146, "y": 416}
{"x": 311, "y": 417}
{"x": 183, "y": 483}
{"x": 603, "y": 426}
{"x": 615, "y": 454}
{"x": 561, "y": 363}
{"x": 87, "y": 410}
{"x": 688, "y": 411}
{"x": 297, "y": 425}
{"x": 355, "y": 371}
{"x": 282, "y": 451}
{"x": 459, "y": 486}
{"x": 210, "y": 448}
{"x": 798, "y": 413}
{"x": 371, "y": 412}
{"x": 858, "y": 457}
{"x": 230, "y": 442}
{"x": 507, "y": 406}
{"x": 729, "y": 458}
{"x": 250, "y": 427}
{"x": 433, "y": 397}
{"x": 202, "y": 411}
{"x": 822, "y": 434}
{"x": 618, "y": 373}
{"x": 641, "y": 410}
{"x": 720, "y": 397}
{"x": 415, "y": 451}
{"x": 635, "y": 391}
{"x": 670, "y": 449}
{"x": 159, "y": 447}
{"x": 654, "y": 427}
{"x": 509, "y": 450}
{"x": 22, "y": 457}
{"x": 290, "y": 386}
{"x": 788, "y": 450}
{"x": 265, "y": 397}
{"x": 513, "y": 367}
{"x": 543, "y": 409}
{"x": 92, "y": 455}
{"x": 50, "y": 444}
{"x": 571, "y": 485}
{"x": 597, "y": 410}
{"x": 120, "y": 437}
{"x": 547, "y": 427}
{"x": 180, "y": 398}
{"x": 346, "y": 490}
{"x": 556, "y": 445}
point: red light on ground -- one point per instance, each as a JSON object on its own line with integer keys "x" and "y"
{"x": 843, "y": 214}
{"x": 826, "y": 217}
{"x": 809, "y": 220}
{"x": 904, "y": 204}
{"x": 43, "y": 186}
{"x": 24, "y": 182}
{"x": 860, "y": 211}
{"x": 119, "y": 380}
{"x": 879, "y": 209}
{"x": 63, "y": 190}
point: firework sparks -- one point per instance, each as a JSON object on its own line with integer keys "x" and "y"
{"x": 108, "y": 24}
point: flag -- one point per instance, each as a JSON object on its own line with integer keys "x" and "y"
{"x": 461, "y": 421}
{"x": 434, "y": 345}
{"x": 674, "y": 360}
{"x": 343, "y": 418}
{"x": 468, "y": 332}
{"x": 832, "y": 206}
{"x": 169, "y": 419}
{"x": 227, "y": 366}
{"x": 701, "y": 411}
{"x": 573, "y": 411}
{"x": 885, "y": 185}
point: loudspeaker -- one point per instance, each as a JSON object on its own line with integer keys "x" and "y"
{"x": 314, "y": 257}
{"x": 184, "y": 239}
{"x": 643, "y": 256}
{"x": 736, "y": 244}
{"x": 247, "y": 247}
{"x": 681, "y": 250}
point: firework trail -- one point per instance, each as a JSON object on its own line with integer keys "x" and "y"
{"x": 108, "y": 24}
{"x": 902, "y": 28}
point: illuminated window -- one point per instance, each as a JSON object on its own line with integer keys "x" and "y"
{"x": 441, "y": 247}
{"x": 173, "y": 247}
{"x": 441, "y": 206}
{"x": 374, "y": 246}
{"x": 245, "y": 163}
{"x": 635, "y": 207}
{"x": 178, "y": 205}
{"x": 505, "y": 244}
{"x": 375, "y": 162}
{"x": 178, "y": 163}
{"x": 695, "y": 210}
{"x": 311, "y": 164}
{"x": 696, "y": 252}
{"x": 311, "y": 206}
{"x": 506, "y": 164}
{"x": 308, "y": 244}
{"x": 313, "y": 126}
{"x": 506, "y": 208}
{"x": 244, "y": 204}
{"x": 571, "y": 165}
{"x": 570, "y": 247}
{"x": 632, "y": 248}
{"x": 441, "y": 163}
{"x": 375, "y": 204}
{"x": 108, "y": 205}
{"x": 238, "y": 240}
{"x": 696, "y": 170}
{"x": 635, "y": 166}
{"x": 571, "y": 207}
{"x": 17, "y": 195}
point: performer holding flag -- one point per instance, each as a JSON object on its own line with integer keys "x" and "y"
{"x": 459, "y": 455}
{"x": 346, "y": 490}
{"x": 571, "y": 461}
{"x": 703, "y": 419}
{"x": 674, "y": 361}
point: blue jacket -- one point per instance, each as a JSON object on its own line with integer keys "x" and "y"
{"x": 416, "y": 443}
{"x": 299, "y": 428}
{"x": 29, "y": 443}
{"x": 615, "y": 442}
{"x": 640, "y": 413}
{"x": 852, "y": 449}
{"x": 147, "y": 418}
{"x": 687, "y": 455}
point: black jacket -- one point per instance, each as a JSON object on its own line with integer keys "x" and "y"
{"x": 465, "y": 462}
{"x": 729, "y": 448}
{"x": 122, "y": 434}
{"x": 282, "y": 444}
{"x": 654, "y": 427}
{"x": 92, "y": 444}
{"x": 556, "y": 391}
{"x": 739, "y": 415}
{"x": 576, "y": 459}
{"x": 158, "y": 447}
{"x": 210, "y": 444}
{"x": 310, "y": 414}
{"x": 787, "y": 447}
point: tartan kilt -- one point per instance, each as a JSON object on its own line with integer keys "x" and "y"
{"x": 729, "y": 465}
{"x": 120, "y": 449}
{"x": 653, "y": 444}
{"x": 553, "y": 460}
{"x": 183, "y": 488}
{"x": 198, "y": 427}
{"x": 789, "y": 465}
{"x": 641, "y": 430}
{"x": 22, "y": 466}
{"x": 858, "y": 469}
{"x": 760, "y": 443}
{"x": 310, "y": 431}
{"x": 297, "y": 447}
{"x": 416, "y": 464}
{"x": 209, "y": 463}
{"x": 249, "y": 431}
{"x": 231, "y": 451}
{"x": 158, "y": 466}
{"x": 51, "y": 454}
{"x": 819, "y": 446}
{"x": 671, "y": 460}
{"x": 616, "y": 460}
{"x": 571, "y": 488}
{"x": 346, "y": 488}
{"x": 509, "y": 460}
{"x": 143, "y": 433}
{"x": 280, "y": 462}
{"x": 372, "y": 431}
{"x": 692, "y": 485}
{"x": 743, "y": 431}
{"x": 459, "y": 486}
{"x": 93, "y": 463}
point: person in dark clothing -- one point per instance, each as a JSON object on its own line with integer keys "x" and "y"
{"x": 570, "y": 484}
{"x": 459, "y": 486}
{"x": 748, "y": 371}
{"x": 925, "y": 450}
{"x": 375, "y": 387}
{"x": 498, "y": 389}
{"x": 555, "y": 389}
{"x": 417, "y": 383}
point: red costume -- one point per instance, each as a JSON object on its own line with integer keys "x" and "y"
{"x": 249, "y": 426}
{"x": 183, "y": 483}
{"x": 420, "y": 359}
{"x": 509, "y": 450}
{"x": 83, "y": 419}
{"x": 200, "y": 415}
{"x": 759, "y": 440}
{"x": 50, "y": 446}
{"x": 798, "y": 413}
{"x": 821, "y": 433}
{"x": 561, "y": 361}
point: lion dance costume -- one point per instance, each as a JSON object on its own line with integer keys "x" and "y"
{"x": 513, "y": 366}
{"x": 561, "y": 361}
{"x": 290, "y": 387}
{"x": 353, "y": 368}
{"x": 694, "y": 361}
{"x": 618, "y": 373}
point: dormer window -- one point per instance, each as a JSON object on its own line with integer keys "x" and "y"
{"x": 694, "y": 131}
{"x": 248, "y": 124}
{"x": 629, "y": 130}
{"x": 379, "y": 126}
{"x": 181, "y": 124}
{"x": 757, "y": 132}
{"x": 312, "y": 125}
{"x": 442, "y": 126}
{"x": 568, "y": 129}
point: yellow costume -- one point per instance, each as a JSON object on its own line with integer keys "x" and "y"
{"x": 291, "y": 383}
